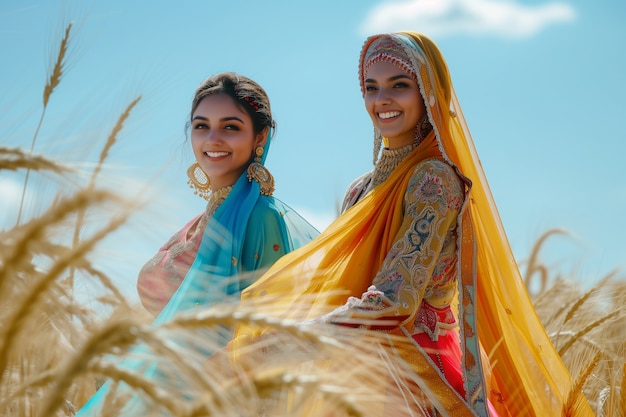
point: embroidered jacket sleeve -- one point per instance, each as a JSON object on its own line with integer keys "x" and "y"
{"x": 356, "y": 190}
{"x": 432, "y": 203}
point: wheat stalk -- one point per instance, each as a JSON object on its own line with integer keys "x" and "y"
{"x": 621, "y": 399}
{"x": 533, "y": 266}
{"x": 233, "y": 316}
{"x": 575, "y": 395}
{"x": 586, "y": 330}
{"x": 53, "y": 401}
{"x": 612, "y": 402}
{"x": 118, "y": 335}
{"x": 20, "y": 314}
{"x": 106, "y": 281}
{"x": 35, "y": 229}
{"x": 112, "y": 138}
{"x": 92, "y": 181}
{"x": 581, "y": 300}
{"x": 13, "y": 159}
{"x": 57, "y": 70}
{"x": 53, "y": 81}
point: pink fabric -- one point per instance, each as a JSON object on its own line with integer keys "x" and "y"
{"x": 445, "y": 352}
{"x": 161, "y": 276}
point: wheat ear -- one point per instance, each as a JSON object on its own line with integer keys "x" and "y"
{"x": 92, "y": 181}
{"x": 586, "y": 296}
{"x": 576, "y": 395}
{"x": 13, "y": 159}
{"x": 112, "y": 139}
{"x": 20, "y": 314}
{"x": 586, "y": 330}
{"x": 37, "y": 228}
{"x": 51, "y": 84}
{"x": 118, "y": 334}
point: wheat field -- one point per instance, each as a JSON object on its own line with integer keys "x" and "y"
{"x": 55, "y": 351}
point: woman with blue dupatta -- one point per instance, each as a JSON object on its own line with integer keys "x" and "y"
{"x": 216, "y": 255}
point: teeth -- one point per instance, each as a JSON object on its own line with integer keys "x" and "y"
{"x": 216, "y": 154}
{"x": 389, "y": 114}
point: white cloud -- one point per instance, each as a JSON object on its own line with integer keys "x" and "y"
{"x": 461, "y": 17}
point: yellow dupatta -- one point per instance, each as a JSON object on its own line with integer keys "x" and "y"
{"x": 342, "y": 262}
{"x": 529, "y": 375}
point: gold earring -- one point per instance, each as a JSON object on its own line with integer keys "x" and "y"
{"x": 260, "y": 174}
{"x": 199, "y": 181}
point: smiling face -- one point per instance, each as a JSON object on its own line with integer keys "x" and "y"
{"x": 393, "y": 101}
{"x": 223, "y": 139}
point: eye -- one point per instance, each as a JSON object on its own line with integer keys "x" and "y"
{"x": 232, "y": 127}
{"x": 401, "y": 84}
{"x": 370, "y": 88}
{"x": 200, "y": 126}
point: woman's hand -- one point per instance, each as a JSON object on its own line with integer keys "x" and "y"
{"x": 373, "y": 311}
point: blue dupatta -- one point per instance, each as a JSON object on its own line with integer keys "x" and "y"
{"x": 233, "y": 252}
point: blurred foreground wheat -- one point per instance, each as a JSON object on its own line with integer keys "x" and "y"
{"x": 54, "y": 351}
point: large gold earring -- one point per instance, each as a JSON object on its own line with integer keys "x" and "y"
{"x": 199, "y": 181}
{"x": 422, "y": 129}
{"x": 260, "y": 174}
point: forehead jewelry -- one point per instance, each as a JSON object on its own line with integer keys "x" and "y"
{"x": 252, "y": 103}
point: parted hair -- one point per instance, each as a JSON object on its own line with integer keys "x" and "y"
{"x": 250, "y": 96}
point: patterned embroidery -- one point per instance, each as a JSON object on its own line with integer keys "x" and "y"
{"x": 429, "y": 188}
{"x": 421, "y": 265}
{"x": 434, "y": 321}
{"x": 372, "y": 299}
{"x": 390, "y": 285}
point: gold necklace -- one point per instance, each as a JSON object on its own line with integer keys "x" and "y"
{"x": 216, "y": 198}
{"x": 389, "y": 160}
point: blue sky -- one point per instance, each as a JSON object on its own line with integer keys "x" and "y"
{"x": 540, "y": 83}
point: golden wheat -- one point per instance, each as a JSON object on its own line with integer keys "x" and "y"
{"x": 284, "y": 373}
{"x": 53, "y": 81}
{"x": 13, "y": 159}
{"x": 92, "y": 180}
{"x": 583, "y": 323}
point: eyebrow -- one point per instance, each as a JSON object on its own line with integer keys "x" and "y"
{"x": 223, "y": 119}
{"x": 394, "y": 78}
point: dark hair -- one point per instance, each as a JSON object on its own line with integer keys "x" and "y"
{"x": 251, "y": 97}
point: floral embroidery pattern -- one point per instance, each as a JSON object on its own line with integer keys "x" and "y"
{"x": 429, "y": 188}
{"x": 390, "y": 285}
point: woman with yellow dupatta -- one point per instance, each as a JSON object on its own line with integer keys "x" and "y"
{"x": 420, "y": 245}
